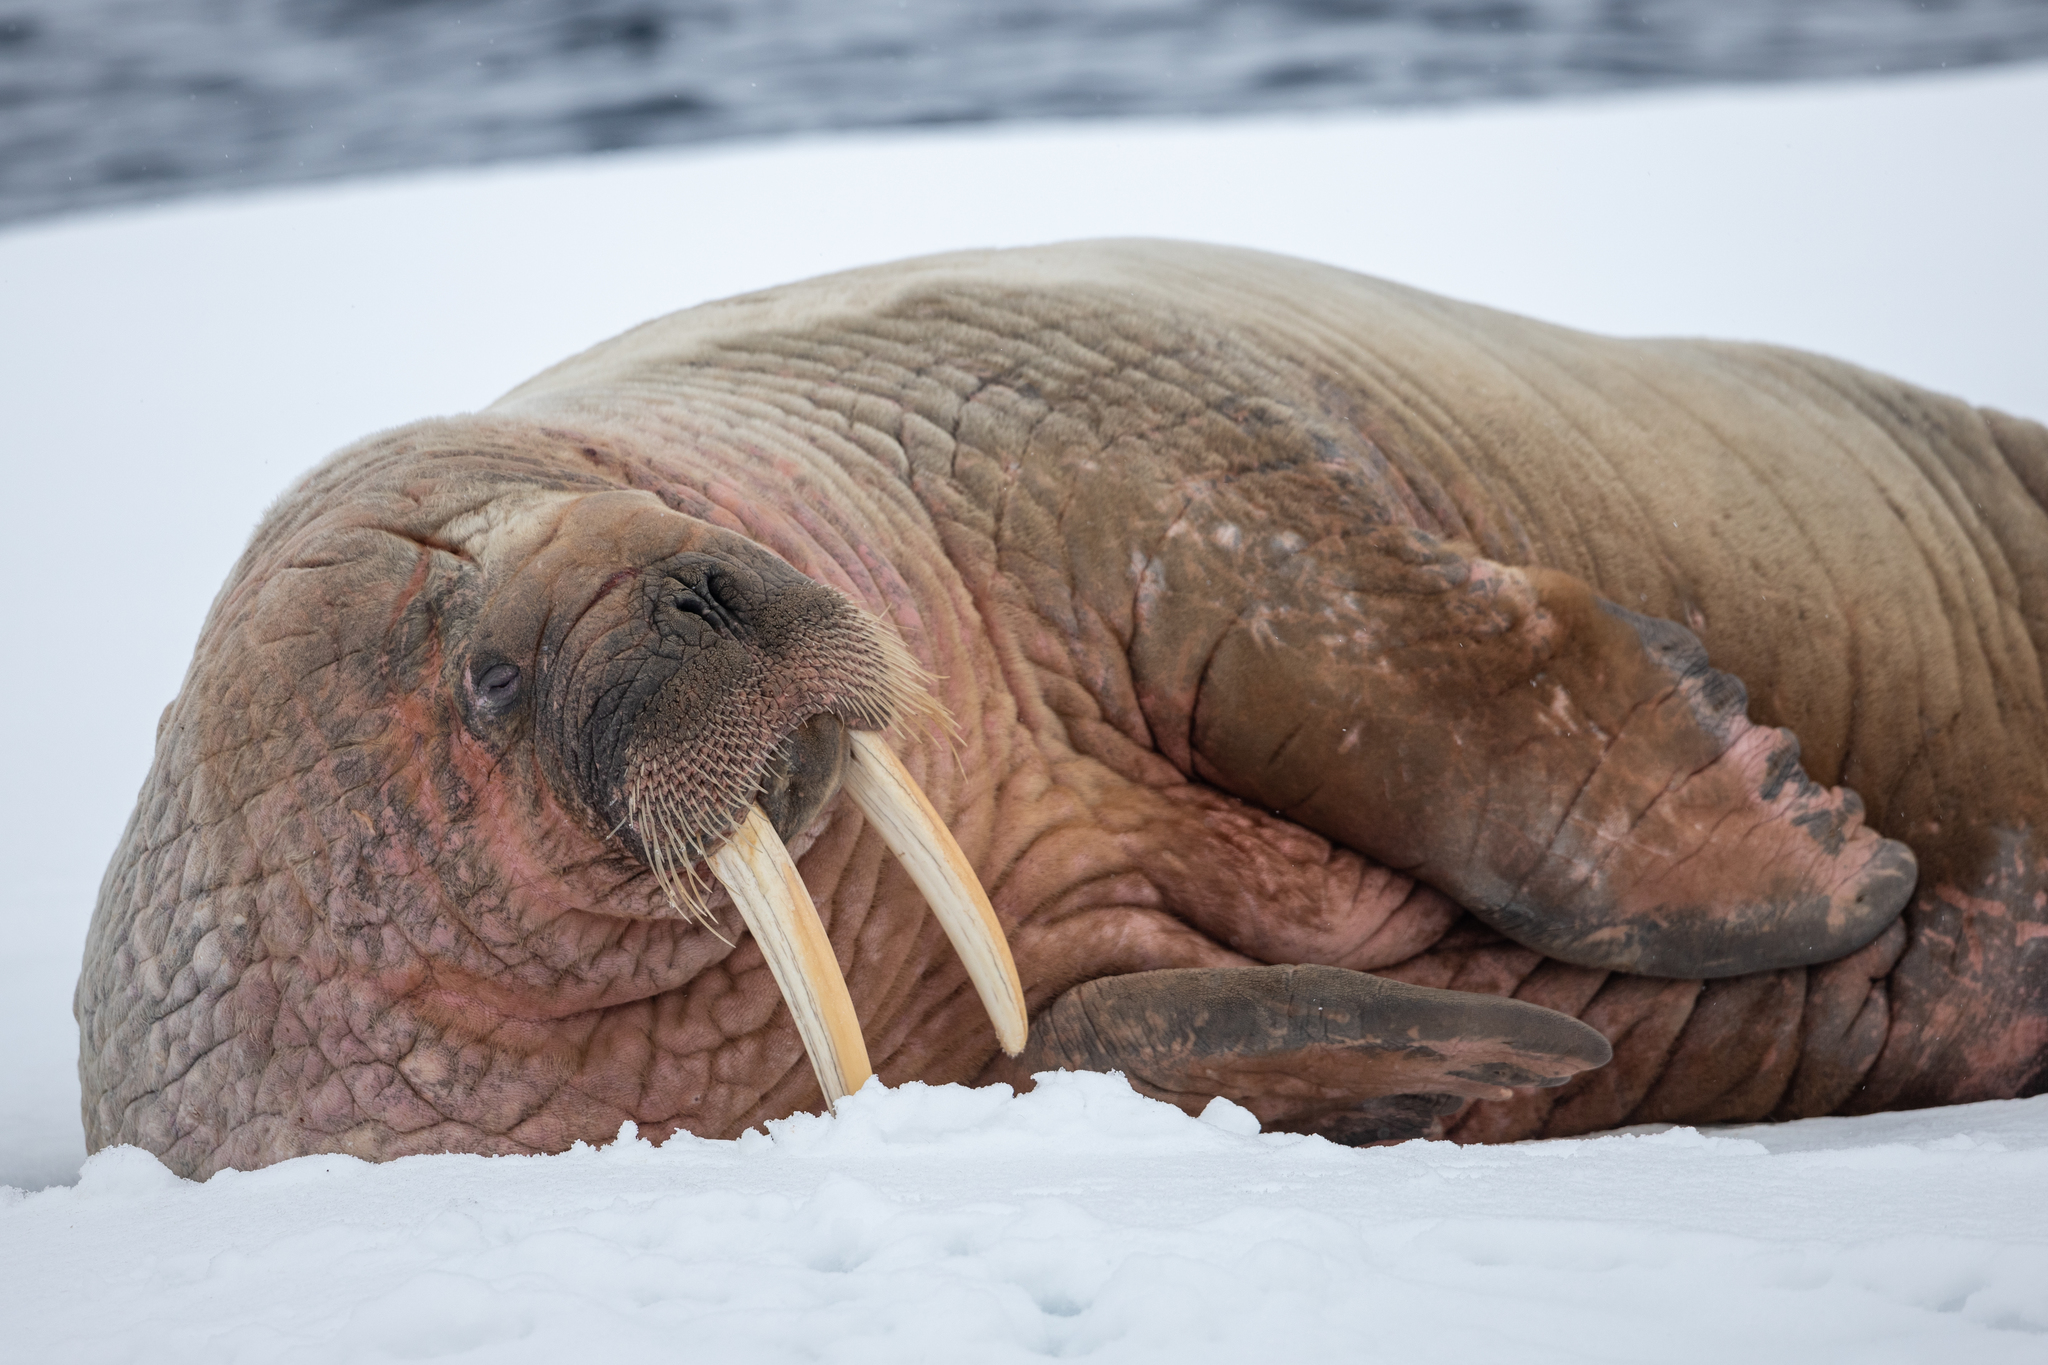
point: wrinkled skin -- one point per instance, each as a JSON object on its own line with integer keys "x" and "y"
{"x": 1283, "y": 617}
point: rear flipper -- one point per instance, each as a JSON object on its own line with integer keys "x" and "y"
{"x": 1354, "y": 1057}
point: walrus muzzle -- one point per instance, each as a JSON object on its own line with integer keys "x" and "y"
{"x": 711, "y": 711}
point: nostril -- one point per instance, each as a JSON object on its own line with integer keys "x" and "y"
{"x": 703, "y": 601}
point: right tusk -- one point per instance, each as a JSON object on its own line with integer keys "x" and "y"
{"x": 758, "y": 873}
{"x": 897, "y": 808}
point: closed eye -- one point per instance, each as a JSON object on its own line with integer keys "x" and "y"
{"x": 498, "y": 685}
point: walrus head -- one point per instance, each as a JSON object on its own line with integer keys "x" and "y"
{"x": 696, "y": 699}
{"x": 467, "y": 713}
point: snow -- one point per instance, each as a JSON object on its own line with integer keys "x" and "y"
{"x": 169, "y": 371}
{"x": 940, "y": 1223}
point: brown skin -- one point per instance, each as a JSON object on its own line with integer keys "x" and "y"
{"x": 1284, "y": 616}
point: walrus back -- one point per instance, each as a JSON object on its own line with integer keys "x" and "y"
{"x": 1813, "y": 522}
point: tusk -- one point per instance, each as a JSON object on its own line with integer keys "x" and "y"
{"x": 757, "y": 871}
{"x": 897, "y": 808}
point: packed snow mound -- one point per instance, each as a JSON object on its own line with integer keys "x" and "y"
{"x": 1081, "y": 1219}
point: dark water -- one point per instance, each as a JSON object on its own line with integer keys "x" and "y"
{"x": 106, "y": 101}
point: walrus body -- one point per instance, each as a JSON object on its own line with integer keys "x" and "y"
{"x": 1293, "y": 627}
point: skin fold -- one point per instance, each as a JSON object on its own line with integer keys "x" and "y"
{"x": 1288, "y": 624}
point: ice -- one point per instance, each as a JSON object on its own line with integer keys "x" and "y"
{"x": 168, "y": 372}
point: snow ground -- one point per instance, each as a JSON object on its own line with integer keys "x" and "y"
{"x": 944, "y": 1224}
{"x": 169, "y": 372}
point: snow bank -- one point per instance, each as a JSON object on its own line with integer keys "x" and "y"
{"x": 948, "y": 1224}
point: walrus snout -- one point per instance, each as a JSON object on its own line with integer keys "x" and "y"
{"x": 707, "y": 681}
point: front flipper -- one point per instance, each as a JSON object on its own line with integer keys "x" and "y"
{"x": 1354, "y": 1057}
{"x": 1574, "y": 774}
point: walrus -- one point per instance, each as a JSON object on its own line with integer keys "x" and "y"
{"x": 1400, "y": 718}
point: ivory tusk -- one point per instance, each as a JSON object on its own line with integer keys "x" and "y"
{"x": 758, "y": 873}
{"x": 897, "y": 808}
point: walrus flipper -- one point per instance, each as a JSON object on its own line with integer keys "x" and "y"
{"x": 1355, "y": 1057}
{"x": 1574, "y": 774}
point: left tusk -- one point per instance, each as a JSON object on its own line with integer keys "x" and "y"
{"x": 763, "y": 882}
{"x": 895, "y": 805}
